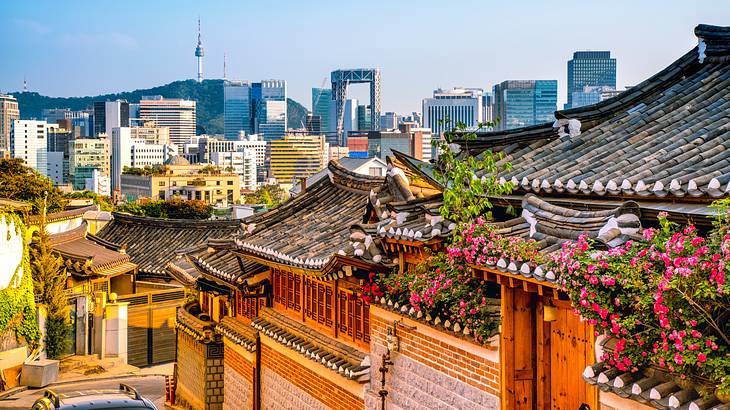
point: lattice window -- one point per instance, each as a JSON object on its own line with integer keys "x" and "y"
{"x": 353, "y": 316}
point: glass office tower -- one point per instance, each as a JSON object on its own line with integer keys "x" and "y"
{"x": 236, "y": 109}
{"x": 589, "y": 68}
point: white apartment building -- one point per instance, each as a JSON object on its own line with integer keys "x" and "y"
{"x": 207, "y": 146}
{"x": 175, "y": 114}
{"x": 98, "y": 183}
{"x": 241, "y": 163}
{"x": 134, "y": 152}
{"x": 29, "y": 142}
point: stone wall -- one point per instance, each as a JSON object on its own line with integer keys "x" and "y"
{"x": 302, "y": 383}
{"x": 238, "y": 374}
{"x": 214, "y": 386}
{"x": 432, "y": 369}
{"x": 190, "y": 390}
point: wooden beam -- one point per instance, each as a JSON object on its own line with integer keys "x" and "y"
{"x": 506, "y": 349}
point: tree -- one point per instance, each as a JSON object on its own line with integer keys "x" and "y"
{"x": 104, "y": 202}
{"x": 175, "y": 208}
{"x": 22, "y": 183}
{"x": 468, "y": 180}
{"x": 49, "y": 283}
{"x": 270, "y": 195}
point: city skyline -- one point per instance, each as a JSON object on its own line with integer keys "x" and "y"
{"x": 92, "y": 56}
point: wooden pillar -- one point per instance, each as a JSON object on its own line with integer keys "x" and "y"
{"x": 517, "y": 349}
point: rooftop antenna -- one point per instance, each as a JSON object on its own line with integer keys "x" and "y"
{"x": 25, "y": 84}
{"x": 224, "y": 66}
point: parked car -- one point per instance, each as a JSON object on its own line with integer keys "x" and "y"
{"x": 123, "y": 399}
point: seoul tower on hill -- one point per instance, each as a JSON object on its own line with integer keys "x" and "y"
{"x": 199, "y": 53}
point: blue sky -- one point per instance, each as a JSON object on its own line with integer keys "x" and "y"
{"x": 75, "y": 48}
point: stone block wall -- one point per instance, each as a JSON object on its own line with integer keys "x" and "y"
{"x": 190, "y": 390}
{"x": 432, "y": 369}
{"x": 238, "y": 374}
{"x": 286, "y": 380}
{"x": 214, "y": 386}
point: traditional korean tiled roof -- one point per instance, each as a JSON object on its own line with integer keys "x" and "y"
{"x": 667, "y": 136}
{"x": 151, "y": 242}
{"x": 215, "y": 259}
{"x": 548, "y": 224}
{"x": 237, "y": 332}
{"x": 307, "y": 231}
{"x": 330, "y": 353}
{"x": 651, "y": 387}
{"x": 85, "y": 256}
{"x": 63, "y": 215}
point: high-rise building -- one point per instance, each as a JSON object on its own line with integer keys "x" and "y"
{"x": 487, "y": 105}
{"x": 363, "y": 118}
{"x": 110, "y": 114}
{"x": 176, "y": 114}
{"x": 408, "y": 139}
{"x": 589, "y": 68}
{"x": 268, "y": 99}
{"x": 87, "y": 155}
{"x": 297, "y": 156}
{"x": 322, "y": 106}
{"x": 29, "y": 142}
{"x": 236, "y": 108}
{"x": 9, "y": 112}
{"x": 314, "y": 124}
{"x": 389, "y": 121}
{"x": 349, "y": 119}
{"x": 447, "y": 108}
{"x": 519, "y": 103}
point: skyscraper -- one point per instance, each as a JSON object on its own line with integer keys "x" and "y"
{"x": 269, "y": 108}
{"x": 236, "y": 109}
{"x": 322, "y": 104}
{"x": 363, "y": 118}
{"x": 519, "y": 103}
{"x": 589, "y": 68}
{"x": 447, "y": 108}
{"x": 9, "y": 112}
{"x": 199, "y": 53}
{"x": 175, "y": 114}
{"x": 110, "y": 114}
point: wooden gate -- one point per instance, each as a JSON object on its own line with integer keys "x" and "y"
{"x": 151, "y": 326}
{"x": 570, "y": 351}
{"x": 542, "y": 361}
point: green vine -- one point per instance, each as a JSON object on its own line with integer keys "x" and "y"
{"x": 17, "y": 304}
{"x": 468, "y": 180}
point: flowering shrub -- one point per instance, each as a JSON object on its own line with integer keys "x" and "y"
{"x": 480, "y": 244}
{"x": 442, "y": 287}
{"x": 666, "y": 301}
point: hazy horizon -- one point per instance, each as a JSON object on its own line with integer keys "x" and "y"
{"x": 76, "y": 49}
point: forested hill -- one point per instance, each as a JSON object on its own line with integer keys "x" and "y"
{"x": 208, "y": 94}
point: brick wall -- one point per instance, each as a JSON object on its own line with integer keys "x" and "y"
{"x": 238, "y": 380}
{"x": 432, "y": 369}
{"x": 286, "y": 381}
{"x": 190, "y": 390}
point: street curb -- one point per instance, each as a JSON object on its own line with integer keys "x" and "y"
{"x": 20, "y": 389}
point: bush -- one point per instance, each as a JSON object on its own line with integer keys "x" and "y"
{"x": 176, "y": 208}
{"x": 665, "y": 301}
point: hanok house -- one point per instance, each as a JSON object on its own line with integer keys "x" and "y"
{"x": 284, "y": 303}
{"x": 604, "y": 170}
{"x": 150, "y": 244}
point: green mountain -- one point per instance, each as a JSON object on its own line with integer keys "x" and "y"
{"x": 208, "y": 94}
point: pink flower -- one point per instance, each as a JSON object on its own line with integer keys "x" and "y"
{"x": 701, "y": 357}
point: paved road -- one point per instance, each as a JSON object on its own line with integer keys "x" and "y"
{"x": 150, "y": 387}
